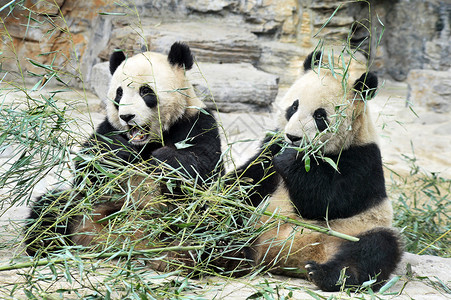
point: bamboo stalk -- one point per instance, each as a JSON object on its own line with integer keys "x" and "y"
{"x": 320, "y": 229}
{"x": 277, "y": 216}
{"x": 43, "y": 262}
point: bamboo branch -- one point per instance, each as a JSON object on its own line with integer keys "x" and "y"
{"x": 43, "y": 262}
{"x": 318, "y": 228}
{"x": 277, "y": 216}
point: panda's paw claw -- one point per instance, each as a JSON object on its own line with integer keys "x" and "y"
{"x": 314, "y": 270}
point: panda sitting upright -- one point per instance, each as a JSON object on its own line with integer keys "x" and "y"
{"x": 341, "y": 187}
{"x": 153, "y": 119}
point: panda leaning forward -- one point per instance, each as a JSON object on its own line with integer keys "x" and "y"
{"x": 151, "y": 109}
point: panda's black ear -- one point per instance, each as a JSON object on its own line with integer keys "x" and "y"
{"x": 180, "y": 55}
{"x": 115, "y": 60}
{"x": 312, "y": 60}
{"x": 367, "y": 85}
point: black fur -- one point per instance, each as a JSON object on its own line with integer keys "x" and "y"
{"x": 292, "y": 109}
{"x": 322, "y": 191}
{"x": 260, "y": 170}
{"x": 45, "y": 235}
{"x": 115, "y": 60}
{"x": 148, "y": 95}
{"x": 320, "y": 117}
{"x": 311, "y": 61}
{"x": 376, "y": 254}
{"x": 180, "y": 55}
{"x": 293, "y": 138}
{"x": 117, "y": 99}
{"x": 367, "y": 85}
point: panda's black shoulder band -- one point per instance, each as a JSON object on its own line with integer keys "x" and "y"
{"x": 312, "y": 59}
{"x": 180, "y": 55}
{"x": 367, "y": 84}
{"x": 115, "y": 60}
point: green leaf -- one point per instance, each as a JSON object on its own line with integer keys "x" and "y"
{"x": 182, "y": 145}
{"x": 368, "y": 283}
{"x": 112, "y": 14}
{"x": 389, "y": 284}
{"x": 313, "y": 294}
{"x": 328, "y": 20}
{"x": 6, "y": 5}
{"x": 307, "y": 164}
{"x": 3, "y": 137}
{"x": 102, "y": 170}
{"x": 202, "y": 110}
{"x": 331, "y": 163}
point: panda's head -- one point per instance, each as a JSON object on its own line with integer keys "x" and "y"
{"x": 324, "y": 109}
{"x": 149, "y": 92}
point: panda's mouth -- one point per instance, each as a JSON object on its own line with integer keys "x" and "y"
{"x": 294, "y": 144}
{"x": 138, "y": 135}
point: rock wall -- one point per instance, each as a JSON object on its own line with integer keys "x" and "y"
{"x": 418, "y": 37}
{"x": 45, "y": 37}
{"x": 71, "y": 36}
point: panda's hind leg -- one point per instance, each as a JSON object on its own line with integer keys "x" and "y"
{"x": 375, "y": 255}
{"x": 45, "y": 228}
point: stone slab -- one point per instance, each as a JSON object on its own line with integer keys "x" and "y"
{"x": 209, "y": 40}
{"x": 234, "y": 87}
{"x": 431, "y": 89}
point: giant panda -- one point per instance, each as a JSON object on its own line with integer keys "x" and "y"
{"x": 341, "y": 187}
{"x": 155, "y": 121}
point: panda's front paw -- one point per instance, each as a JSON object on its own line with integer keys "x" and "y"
{"x": 128, "y": 156}
{"x": 285, "y": 160}
{"x": 164, "y": 153}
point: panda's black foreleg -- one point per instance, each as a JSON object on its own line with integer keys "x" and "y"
{"x": 375, "y": 255}
{"x": 260, "y": 170}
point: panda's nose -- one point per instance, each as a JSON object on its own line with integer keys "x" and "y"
{"x": 293, "y": 138}
{"x": 127, "y": 118}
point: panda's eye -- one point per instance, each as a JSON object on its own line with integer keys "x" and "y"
{"x": 295, "y": 105}
{"x": 292, "y": 109}
{"x": 145, "y": 90}
{"x": 320, "y": 116}
{"x": 117, "y": 100}
{"x": 148, "y": 95}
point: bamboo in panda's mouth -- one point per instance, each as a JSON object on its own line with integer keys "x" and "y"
{"x": 138, "y": 135}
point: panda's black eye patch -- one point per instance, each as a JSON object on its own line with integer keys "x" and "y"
{"x": 320, "y": 116}
{"x": 118, "y": 97}
{"x": 292, "y": 109}
{"x": 148, "y": 95}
